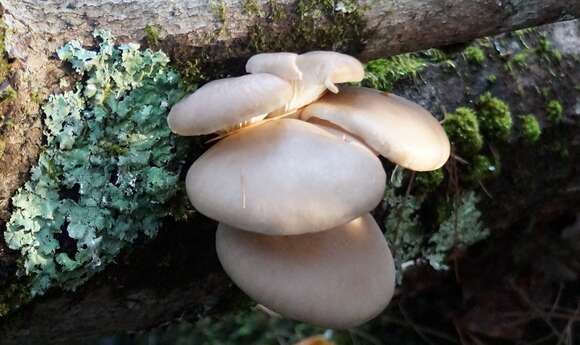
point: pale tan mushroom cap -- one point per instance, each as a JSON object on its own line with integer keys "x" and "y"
{"x": 282, "y": 65}
{"x": 225, "y": 103}
{"x": 338, "y": 278}
{"x": 321, "y": 70}
{"x": 398, "y": 129}
{"x": 285, "y": 177}
{"x": 311, "y": 74}
{"x": 330, "y": 68}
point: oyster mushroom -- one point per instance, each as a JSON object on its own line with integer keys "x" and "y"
{"x": 339, "y": 278}
{"x": 285, "y": 177}
{"x": 229, "y": 103}
{"x": 400, "y": 130}
{"x": 282, "y": 65}
{"x": 311, "y": 74}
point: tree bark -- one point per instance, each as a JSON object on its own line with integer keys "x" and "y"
{"x": 177, "y": 275}
{"x": 218, "y": 35}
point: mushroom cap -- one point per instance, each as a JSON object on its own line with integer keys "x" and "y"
{"x": 321, "y": 70}
{"x": 311, "y": 73}
{"x": 225, "y": 103}
{"x": 339, "y": 278}
{"x": 340, "y": 133}
{"x": 282, "y": 65}
{"x": 329, "y": 68}
{"x": 398, "y": 129}
{"x": 285, "y": 177}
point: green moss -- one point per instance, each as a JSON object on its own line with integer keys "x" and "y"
{"x": 36, "y": 97}
{"x": 531, "y": 129}
{"x": 13, "y": 296}
{"x": 427, "y": 182}
{"x": 381, "y": 74}
{"x": 315, "y": 23}
{"x": 7, "y": 95}
{"x": 481, "y": 168}
{"x": 494, "y": 117}
{"x": 276, "y": 10}
{"x": 192, "y": 74}
{"x": 492, "y": 78}
{"x": 4, "y": 63}
{"x": 545, "y": 50}
{"x": 554, "y": 111}
{"x": 462, "y": 127}
{"x": 251, "y": 7}
{"x": 474, "y": 55}
{"x": 520, "y": 59}
{"x": 152, "y": 35}
{"x": 219, "y": 9}
{"x": 2, "y": 148}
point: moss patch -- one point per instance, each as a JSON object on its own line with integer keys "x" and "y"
{"x": 474, "y": 55}
{"x": 554, "y": 111}
{"x": 319, "y": 23}
{"x": 481, "y": 168}
{"x": 152, "y": 35}
{"x": 427, "y": 182}
{"x": 494, "y": 117}
{"x": 381, "y": 74}
{"x": 462, "y": 127}
{"x": 530, "y": 128}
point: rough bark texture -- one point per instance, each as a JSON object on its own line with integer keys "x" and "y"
{"x": 214, "y": 37}
{"x": 177, "y": 275}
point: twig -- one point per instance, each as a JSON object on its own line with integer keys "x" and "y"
{"x": 425, "y": 330}
{"x": 536, "y": 310}
{"x": 417, "y": 330}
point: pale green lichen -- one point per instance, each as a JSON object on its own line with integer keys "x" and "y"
{"x": 108, "y": 170}
{"x": 463, "y": 228}
{"x": 458, "y": 226}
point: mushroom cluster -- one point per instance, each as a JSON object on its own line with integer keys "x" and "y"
{"x": 294, "y": 176}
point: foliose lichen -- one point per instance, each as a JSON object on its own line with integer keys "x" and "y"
{"x": 459, "y": 225}
{"x": 462, "y": 127}
{"x": 530, "y": 127}
{"x": 461, "y": 229}
{"x": 109, "y": 167}
{"x": 494, "y": 117}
